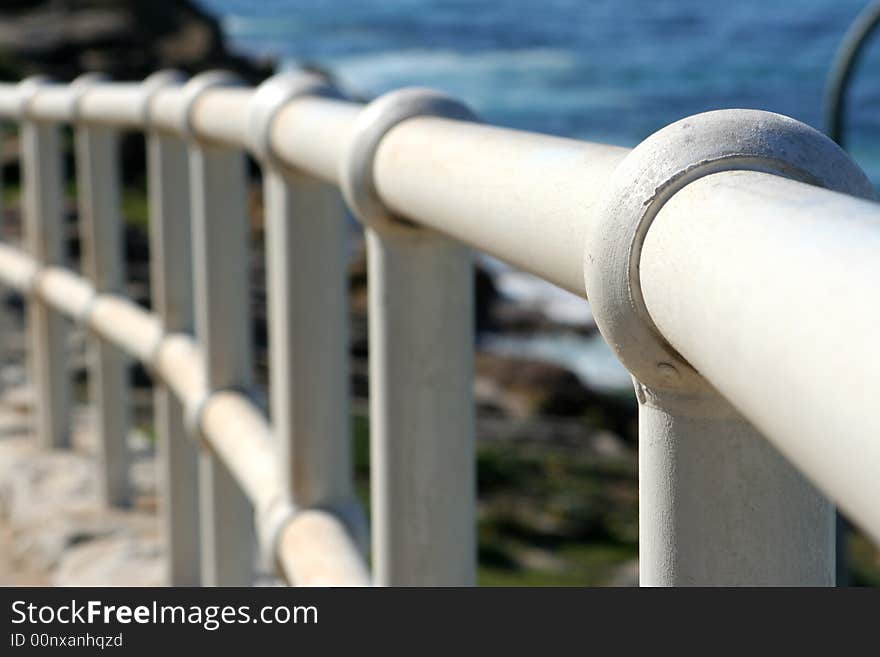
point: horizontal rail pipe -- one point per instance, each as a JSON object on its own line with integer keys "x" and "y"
{"x": 521, "y": 197}
{"x": 128, "y": 326}
{"x": 64, "y": 290}
{"x": 178, "y": 362}
{"x": 118, "y": 105}
{"x": 17, "y": 269}
{"x": 10, "y": 100}
{"x": 516, "y": 191}
{"x": 312, "y": 134}
{"x": 53, "y": 103}
{"x": 220, "y": 116}
{"x": 315, "y": 549}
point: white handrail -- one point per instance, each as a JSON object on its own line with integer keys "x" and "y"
{"x": 706, "y": 247}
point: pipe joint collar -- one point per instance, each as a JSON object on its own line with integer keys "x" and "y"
{"x": 270, "y": 97}
{"x": 270, "y": 522}
{"x": 374, "y": 122}
{"x": 27, "y": 89}
{"x": 79, "y": 87}
{"x": 656, "y": 169}
{"x": 152, "y": 85}
{"x": 193, "y": 90}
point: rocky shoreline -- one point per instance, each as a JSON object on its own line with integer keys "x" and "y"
{"x": 125, "y": 40}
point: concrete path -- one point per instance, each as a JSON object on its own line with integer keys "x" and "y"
{"x": 53, "y": 531}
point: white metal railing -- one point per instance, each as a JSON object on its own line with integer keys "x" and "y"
{"x": 730, "y": 260}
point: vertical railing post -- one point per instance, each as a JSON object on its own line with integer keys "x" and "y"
{"x": 101, "y": 238}
{"x": 421, "y": 371}
{"x": 172, "y": 298}
{"x": 308, "y": 338}
{"x": 44, "y": 236}
{"x": 220, "y": 242}
{"x": 718, "y": 505}
{"x": 305, "y": 237}
{"x": 6, "y": 325}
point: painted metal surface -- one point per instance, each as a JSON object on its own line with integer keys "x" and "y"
{"x": 100, "y": 224}
{"x": 172, "y": 298}
{"x": 421, "y": 320}
{"x": 220, "y": 251}
{"x": 755, "y": 256}
{"x": 220, "y": 243}
{"x": 43, "y": 194}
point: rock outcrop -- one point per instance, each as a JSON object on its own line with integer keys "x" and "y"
{"x": 53, "y": 530}
{"x": 126, "y": 40}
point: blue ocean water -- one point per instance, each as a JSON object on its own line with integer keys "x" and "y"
{"x": 604, "y": 70}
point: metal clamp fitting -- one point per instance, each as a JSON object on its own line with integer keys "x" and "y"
{"x": 656, "y": 169}
{"x": 27, "y": 89}
{"x": 374, "y": 122}
{"x": 270, "y": 97}
{"x": 27, "y": 285}
{"x": 193, "y": 89}
{"x": 193, "y": 412}
{"x": 79, "y": 88}
{"x": 84, "y": 318}
{"x": 270, "y": 521}
{"x": 192, "y": 415}
{"x": 152, "y": 85}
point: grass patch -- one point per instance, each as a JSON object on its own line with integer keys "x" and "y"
{"x": 587, "y": 564}
{"x": 547, "y": 516}
{"x": 135, "y": 207}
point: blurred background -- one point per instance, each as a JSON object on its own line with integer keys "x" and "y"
{"x": 556, "y": 413}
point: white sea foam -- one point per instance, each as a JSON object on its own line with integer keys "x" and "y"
{"x": 243, "y": 27}
{"x": 432, "y": 61}
{"x": 455, "y": 71}
{"x": 536, "y": 294}
{"x": 588, "y": 357}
